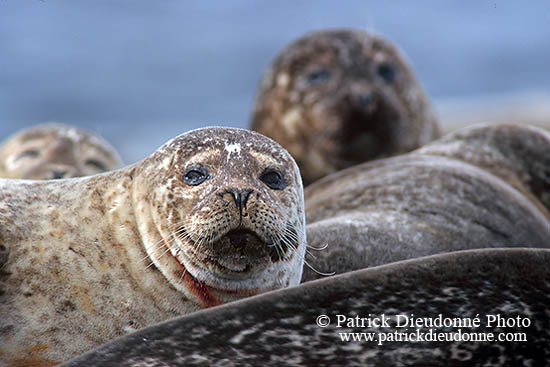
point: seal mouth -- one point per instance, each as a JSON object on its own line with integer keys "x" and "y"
{"x": 366, "y": 130}
{"x": 239, "y": 238}
{"x": 235, "y": 256}
{"x": 239, "y": 251}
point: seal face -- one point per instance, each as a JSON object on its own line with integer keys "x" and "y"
{"x": 212, "y": 216}
{"x": 477, "y": 188}
{"x": 337, "y": 98}
{"x": 53, "y": 151}
{"x": 231, "y": 215}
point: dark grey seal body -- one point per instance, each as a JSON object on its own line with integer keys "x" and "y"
{"x": 482, "y": 187}
{"x": 336, "y": 98}
{"x": 280, "y": 328}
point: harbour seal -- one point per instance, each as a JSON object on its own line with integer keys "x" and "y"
{"x": 476, "y": 188}
{"x": 53, "y": 151}
{"x": 212, "y": 216}
{"x": 337, "y": 98}
{"x": 519, "y": 154}
{"x": 282, "y": 327}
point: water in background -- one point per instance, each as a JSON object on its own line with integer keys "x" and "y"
{"x": 140, "y": 72}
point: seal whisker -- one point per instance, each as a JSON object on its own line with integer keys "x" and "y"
{"x": 294, "y": 236}
{"x": 152, "y": 249}
{"x": 311, "y": 266}
{"x": 279, "y": 251}
{"x": 293, "y": 247}
{"x": 292, "y": 232}
{"x": 321, "y": 248}
{"x": 161, "y": 255}
{"x": 318, "y": 271}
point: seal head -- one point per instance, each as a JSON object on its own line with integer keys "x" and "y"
{"x": 228, "y": 218}
{"x": 52, "y": 151}
{"x": 340, "y": 97}
{"x": 212, "y": 216}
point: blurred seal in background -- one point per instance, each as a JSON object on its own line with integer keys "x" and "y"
{"x": 336, "y": 98}
{"x": 53, "y": 151}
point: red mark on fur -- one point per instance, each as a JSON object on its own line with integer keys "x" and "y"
{"x": 201, "y": 290}
{"x": 198, "y": 288}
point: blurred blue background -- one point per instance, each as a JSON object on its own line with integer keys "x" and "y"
{"x": 140, "y": 72}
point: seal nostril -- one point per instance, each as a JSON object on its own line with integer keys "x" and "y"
{"x": 240, "y": 197}
{"x": 244, "y": 196}
{"x": 365, "y": 99}
{"x": 59, "y": 174}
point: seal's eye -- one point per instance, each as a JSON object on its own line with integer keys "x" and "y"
{"x": 318, "y": 76}
{"x": 387, "y": 72}
{"x": 96, "y": 164}
{"x": 273, "y": 179}
{"x": 28, "y": 153}
{"x": 195, "y": 175}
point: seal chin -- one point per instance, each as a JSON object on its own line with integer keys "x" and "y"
{"x": 230, "y": 262}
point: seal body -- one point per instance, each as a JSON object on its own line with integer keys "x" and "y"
{"x": 337, "y": 98}
{"x": 519, "y": 154}
{"x": 477, "y": 188}
{"x": 53, "y": 151}
{"x": 212, "y": 216}
{"x": 283, "y": 327}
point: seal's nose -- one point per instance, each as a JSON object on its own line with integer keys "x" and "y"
{"x": 365, "y": 100}
{"x": 240, "y": 197}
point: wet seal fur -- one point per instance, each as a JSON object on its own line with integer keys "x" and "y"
{"x": 280, "y": 328}
{"x": 212, "y": 216}
{"x": 337, "y": 98}
{"x": 481, "y": 187}
{"x": 52, "y": 151}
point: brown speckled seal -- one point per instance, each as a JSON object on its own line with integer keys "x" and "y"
{"x": 52, "y": 151}
{"x": 486, "y": 186}
{"x": 341, "y": 97}
{"x": 212, "y": 216}
{"x": 280, "y": 328}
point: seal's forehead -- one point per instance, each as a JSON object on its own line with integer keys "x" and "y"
{"x": 336, "y": 40}
{"x": 224, "y": 139}
{"x": 51, "y": 132}
{"x": 350, "y": 46}
{"x": 52, "y": 129}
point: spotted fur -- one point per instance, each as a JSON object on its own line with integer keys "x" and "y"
{"x": 85, "y": 260}
{"x": 279, "y": 328}
{"x": 49, "y": 151}
{"x": 336, "y": 98}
